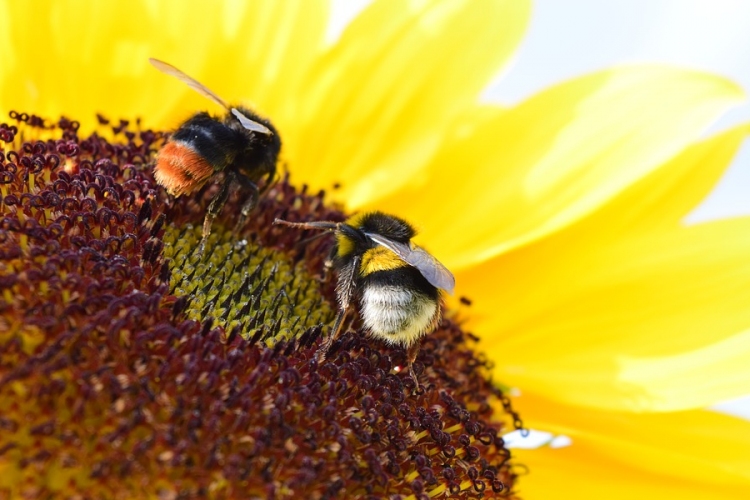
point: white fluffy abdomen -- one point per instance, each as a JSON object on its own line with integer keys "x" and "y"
{"x": 397, "y": 315}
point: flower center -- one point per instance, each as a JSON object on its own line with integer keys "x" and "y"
{"x": 258, "y": 292}
{"x": 129, "y": 367}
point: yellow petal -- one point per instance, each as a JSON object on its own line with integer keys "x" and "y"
{"x": 715, "y": 373}
{"x": 626, "y": 288}
{"x": 55, "y": 43}
{"x": 690, "y": 454}
{"x": 566, "y": 473}
{"x": 557, "y": 157}
{"x": 570, "y": 319}
{"x": 654, "y": 203}
{"x": 376, "y": 107}
{"x": 664, "y": 198}
{"x": 262, "y": 58}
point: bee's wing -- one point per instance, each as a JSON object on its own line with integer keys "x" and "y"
{"x": 431, "y": 268}
{"x": 194, "y": 84}
{"x": 251, "y": 124}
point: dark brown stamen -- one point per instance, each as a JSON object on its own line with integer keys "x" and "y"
{"x": 126, "y": 368}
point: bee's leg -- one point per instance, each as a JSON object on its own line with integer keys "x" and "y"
{"x": 217, "y": 203}
{"x": 328, "y": 263}
{"x": 345, "y": 292}
{"x": 336, "y": 332}
{"x": 250, "y": 202}
{"x": 270, "y": 179}
{"x": 411, "y": 355}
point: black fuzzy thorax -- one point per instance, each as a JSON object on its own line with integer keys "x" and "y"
{"x": 217, "y": 143}
{"x": 225, "y": 143}
{"x": 389, "y": 226}
{"x": 392, "y": 227}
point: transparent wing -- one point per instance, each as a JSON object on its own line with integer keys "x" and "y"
{"x": 251, "y": 124}
{"x": 194, "y": 84}
{"x": 431, "y": 268}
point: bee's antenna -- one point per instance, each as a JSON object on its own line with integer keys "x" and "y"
{"x": 325, "y": 225}
{"x": 312, "y": 238}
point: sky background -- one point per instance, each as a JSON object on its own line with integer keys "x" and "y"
{"x": 567, "y": 38}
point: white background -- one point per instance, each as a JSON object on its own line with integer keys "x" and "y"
{"x": 567, "y": 38}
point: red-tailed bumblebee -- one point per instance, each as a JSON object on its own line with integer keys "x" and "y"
{"x": 242, "y": 145}
{"x": 395, "y": 283}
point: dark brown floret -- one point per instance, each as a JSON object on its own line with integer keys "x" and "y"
{"x": 122, "y": 374}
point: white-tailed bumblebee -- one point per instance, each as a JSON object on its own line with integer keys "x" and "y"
{"x": 395, "y": 283}
{"x": 242, "y": 145}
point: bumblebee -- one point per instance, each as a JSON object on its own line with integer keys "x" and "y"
{"x": 396, "y": 284}
{"x": 242, "y": 145}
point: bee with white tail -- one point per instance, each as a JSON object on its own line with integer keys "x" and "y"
{"x": 396, "y": 284}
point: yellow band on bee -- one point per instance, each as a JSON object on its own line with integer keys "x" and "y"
{"x": 345, "y": 245}
{"x": 379, "y": 259}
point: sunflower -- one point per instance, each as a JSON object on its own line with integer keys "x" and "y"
{"x": 562, "y": 217}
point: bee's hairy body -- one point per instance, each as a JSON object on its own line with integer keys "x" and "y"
{"x": 242, "y": 145}
{"x": 204, "y": 145}
{"x": 395, "y": 283}
{"x": 396, "y": 303}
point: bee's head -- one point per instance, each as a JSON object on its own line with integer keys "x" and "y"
{"x": 351, "y": 236}
{"x": 268, "y": 142}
